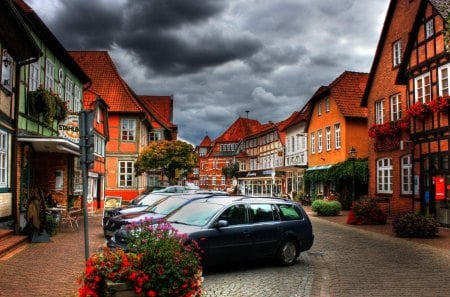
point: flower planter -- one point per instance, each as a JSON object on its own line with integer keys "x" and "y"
{"x": 119, "y": 290}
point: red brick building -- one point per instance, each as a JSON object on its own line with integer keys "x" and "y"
{"x": 390, "y": 154}
{"x": 425, "y": 71}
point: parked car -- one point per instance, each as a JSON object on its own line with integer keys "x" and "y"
{"x": 176, "y": 189}
{"x": 140, "y": 203}
{"x": 155, "y": 212}
{"x": 236, "y": 229}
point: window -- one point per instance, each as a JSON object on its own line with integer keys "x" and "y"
{"x": 319, "y": 108}
{"x": 76, "y": 99}
{"x": 34, "y": 82}
{"x": 429, "y": 29}
{"x": 327, "y": 104}
{"x": 234, "y": 215}
{"x": 443, "y": 80}
{"x": 99, "y": 145}
{"x": 384, "y": 175}
{"x": 290, "y": 212}
{"x": 154, "y": 136}
{"x": 313, "y": 143}
{"x": 69, "y": 94}
{"x": 49, "y": 75}
{"x": 337, "y": 136}
{"x": 422, "y": 89}
{"x": 319, "y": 140}
{"x": 126, "y": 174}
{"x": 128, "y": 129}
{"x": 261, "y": 213}
{"x": 292, "y": 144}
{"x": 396, "y": 110}
{"x": 6, "y": 74}
{"x": 213, "y": 180}
{"x": 379, "y": 112}
{"x": 407, "y": 185}
{"x": 3, "y": 159}
{"x": 202, "y": 151}
{"x": 397, "y": 53}
{"x": 328, "y": 137}
{"x": 223, "y": 179}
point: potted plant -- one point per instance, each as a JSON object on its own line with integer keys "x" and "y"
{"x": 46, "y": 103}
{"x": 160, "y": 262}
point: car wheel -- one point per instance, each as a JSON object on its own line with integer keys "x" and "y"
{"x": 288, "y": 252}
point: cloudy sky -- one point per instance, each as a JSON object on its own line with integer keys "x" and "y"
{"x": 220, "y": 58}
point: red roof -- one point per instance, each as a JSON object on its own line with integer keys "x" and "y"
{"x": 106, "y": 81}
{"x": 206, "y": 142}
{"x": 161, "y": 108}
{"x": 239, "y": 130}
{"x": 347, "y": 91}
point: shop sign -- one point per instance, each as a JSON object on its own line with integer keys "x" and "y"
{"x": 70, "y": 128}
{"x": 440, "y": 187}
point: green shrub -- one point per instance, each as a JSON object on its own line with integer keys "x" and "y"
{"x": 326, "y": 208}
{"x": 415, "y": 225}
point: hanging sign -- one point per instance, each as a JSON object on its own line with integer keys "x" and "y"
{"x": 440, "y": 187}
{"x": 70, "y": 129}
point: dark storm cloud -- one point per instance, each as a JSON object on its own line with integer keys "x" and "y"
{"x": 167, "y": 53}
{"x": 163, "y": 14}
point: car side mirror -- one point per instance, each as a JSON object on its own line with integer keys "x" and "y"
{"x": 221, "y": 223}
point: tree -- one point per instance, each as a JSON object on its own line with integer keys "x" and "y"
{"x": 169, "y": 156}
{"x": 231, "y": 170}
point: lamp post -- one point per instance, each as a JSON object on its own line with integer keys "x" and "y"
{"x": 352, "y": 155}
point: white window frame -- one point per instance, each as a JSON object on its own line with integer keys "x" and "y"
{"x": 33, "y": 80}
{"x": 422, "y": 89}
{"x": 76, "y": 99}
{"x": 396, "y": 107}
{"x": 154, "y": 136}
{"x": 313, "y": 143}
{"x": 4, "y": 157}
{"x": 69, "y": 94}
{"x": 429, "y": 28}
{"x": 327, "y": 104}
{"x": 126, "y": 173}
{"x": 319, "y": 108}
{"x": 397, "y": 53}
{"x": 99, "y": 145}
{"x": 128, "y": 126}
{"x": 406, "y": 175}
{"x": 49, "y": 75}
{"x": 384, "y": 175}
{"x": 444, "y": 81}
{"x": 328, "y": 138}
{"x": 379, "y": 112}
{"x": 337, "y": 136}
{"x": 319, "y": 141}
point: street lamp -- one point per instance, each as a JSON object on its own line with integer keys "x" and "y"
{"x": 352, "y": 155}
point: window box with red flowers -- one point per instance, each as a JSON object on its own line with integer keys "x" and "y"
{"x": 420, "y": 110}
{"x": 388, "y": 134}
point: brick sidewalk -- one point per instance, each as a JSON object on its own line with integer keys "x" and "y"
{"x": 442, "y": 241}
{"x": 50, "y": 269}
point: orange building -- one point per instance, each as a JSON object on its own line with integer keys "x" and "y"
{"x": 132, "y": 124}
{"x": 337, "y": 124}
{"x": 425, "y": 71}
{"x": 390, "y": 158}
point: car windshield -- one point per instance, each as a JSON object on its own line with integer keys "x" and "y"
{"x": 151, "y": 199}
{"x": 167, "y": 206}
{"x": 196, "y": 214}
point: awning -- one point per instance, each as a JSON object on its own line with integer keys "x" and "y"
{"x": 322, "y": 167}
{"x": 52, "y": 144}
